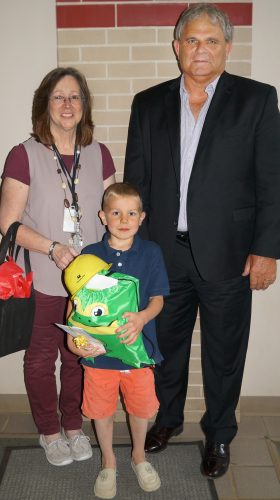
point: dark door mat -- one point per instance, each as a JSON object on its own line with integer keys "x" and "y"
{"x": 25, "y": 474}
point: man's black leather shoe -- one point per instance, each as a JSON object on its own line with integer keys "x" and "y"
{"x": 216, "y": 460}
{"x": 158, "y": 436}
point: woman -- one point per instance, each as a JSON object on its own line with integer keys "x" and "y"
{"x": 53, "y": 183}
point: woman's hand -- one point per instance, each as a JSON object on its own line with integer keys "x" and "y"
{"x": 62, "y": 255}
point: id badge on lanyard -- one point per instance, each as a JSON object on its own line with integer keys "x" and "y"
{"x": 71, "y": 224}
{"x": 70, "y": 216}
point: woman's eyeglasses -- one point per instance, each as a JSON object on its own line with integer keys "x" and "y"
{"x": 58, "y": 100}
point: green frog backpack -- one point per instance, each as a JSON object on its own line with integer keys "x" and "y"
{"x": 100, "y": 298}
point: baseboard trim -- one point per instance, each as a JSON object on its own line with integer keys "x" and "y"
{"x": 260, "y": 405}
{"x": 249, "y": 405}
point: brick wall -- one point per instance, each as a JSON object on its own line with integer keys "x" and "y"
{"x": 122, "y": 47}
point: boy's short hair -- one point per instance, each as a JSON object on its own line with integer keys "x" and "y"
{"x": 121, "y": 189}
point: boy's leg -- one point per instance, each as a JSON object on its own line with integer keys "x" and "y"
{"x": 105, "y": 485}
{"x": 101, "y": 391}
{"x": 138, "y": 428}
{"x": 104, "y": 431}
{"x": 138, "y": 389}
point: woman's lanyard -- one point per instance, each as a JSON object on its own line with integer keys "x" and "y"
{"x": 72, "y": 213}
{"x": 72, "y": 180}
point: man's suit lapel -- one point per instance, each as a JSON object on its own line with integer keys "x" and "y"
{"x": 217, "y": 107}
{"x": 172, "y": 108}
{"x": 173, "y": 111}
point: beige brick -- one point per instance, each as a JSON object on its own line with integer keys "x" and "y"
{"x": 119, "y": 176}
{"x": 131, "y": 70}
{"x": 81, "y": 36}
{"x": 105, "y": 53}
{"x": 168, "y": 70}
{"x": 241, "y": 52}
{"x": 142, "y": 84}
{"x": 194, "y": 391}
{"x": 108, "y": 87}
{"x": 119, "y": 164}
{"x": 196, "y": 331}
{"x": 195, "y": 378}
{"x": 154, "y": 53}
{"x": 92, "y": 70}
{"x": 195, "y": 403}
{"x": 195, "y": 351}
{"x": 193, "y": 416}
{"x": 118, "y": 134}
{"x": 117, "y": 149}
{"x": 195, "y": 365}
{"x": 68, "y": 55}
{"x": 100, "y": 133}
{"x": 131, "y": 35}
{"x": 120, "y": 102}
{"x": 242, "y": 34}
{"x": 239, "y": 68}
{"x": 165, "y": 35}
{"x": 112, "y": 117}
{"x": 99, "y": 102}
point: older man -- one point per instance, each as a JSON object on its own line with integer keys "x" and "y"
{"x": 204, "y": 150}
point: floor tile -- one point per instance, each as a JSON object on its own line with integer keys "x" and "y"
{"x": 192, "y": 431}
{"x": 274, "y": 448}
{"x": 3, "y": 422}
{"x": 256, "y": 483}
{"x": 251, "y": 427}
{"x": 225, "y": 487}
{"x": 250, "y": 452}
{"x": 20, "y": 424}
{"x": 272, "y": 425}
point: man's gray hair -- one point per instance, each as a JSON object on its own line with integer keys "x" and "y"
{"x": 216, "y": 15}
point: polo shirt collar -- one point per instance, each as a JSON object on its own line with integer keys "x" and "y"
{"x": 111, "y": 251}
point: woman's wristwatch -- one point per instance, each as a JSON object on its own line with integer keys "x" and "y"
{"x": 51, "y": 249}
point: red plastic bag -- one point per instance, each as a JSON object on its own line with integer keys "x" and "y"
{"x": 12, "y": 281}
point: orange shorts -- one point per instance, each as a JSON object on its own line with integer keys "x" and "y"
{"x": 102, "y": 387}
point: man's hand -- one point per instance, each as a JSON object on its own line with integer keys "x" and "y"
{"x": 262, "y": 271}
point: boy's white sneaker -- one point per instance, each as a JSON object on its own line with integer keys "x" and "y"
{"x": 57, "y": 452}
{"x": 80, "y": 448}
{"x": 147, "y": 476}
{"x": 106, "y": 484}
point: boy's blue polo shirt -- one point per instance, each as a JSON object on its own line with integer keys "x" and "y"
{"x": 144, "y": 261}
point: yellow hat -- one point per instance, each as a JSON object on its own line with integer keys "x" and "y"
{"x": 81, "y": 270}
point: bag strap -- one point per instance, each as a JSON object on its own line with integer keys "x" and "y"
{"x": 8, "y": 243}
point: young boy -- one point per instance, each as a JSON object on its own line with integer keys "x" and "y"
{"x": 122, "y": 213}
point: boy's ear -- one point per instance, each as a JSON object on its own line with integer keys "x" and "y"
{"x": 102, "y": 217}
{"x": 142, "y": 217}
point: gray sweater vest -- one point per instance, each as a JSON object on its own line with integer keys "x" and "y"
{"x": 44, "y": 210}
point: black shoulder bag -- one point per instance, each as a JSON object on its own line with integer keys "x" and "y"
{"x": 16, "y": 314}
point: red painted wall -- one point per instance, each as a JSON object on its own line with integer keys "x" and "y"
{"x": 127, "y": 13}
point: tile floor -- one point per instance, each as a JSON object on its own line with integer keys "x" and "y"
{"x": 254, "y": 473}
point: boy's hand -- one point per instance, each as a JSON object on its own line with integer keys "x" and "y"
{"x": 130, "y": 331}
{"x": 83, "y": 352}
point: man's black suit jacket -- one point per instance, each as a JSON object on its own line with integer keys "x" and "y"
{"x": 233, "y": 202}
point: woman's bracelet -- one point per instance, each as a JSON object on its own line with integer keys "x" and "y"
{"x": 51, "y": 249}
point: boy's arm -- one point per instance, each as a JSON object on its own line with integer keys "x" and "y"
{"x": 90, "y": 351}
{"x": 129, "y": 332}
